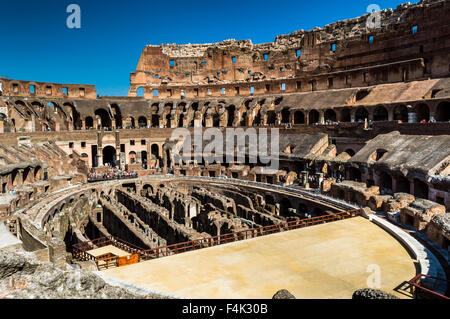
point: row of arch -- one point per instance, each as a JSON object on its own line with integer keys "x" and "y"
{"x": 184, "y": 115}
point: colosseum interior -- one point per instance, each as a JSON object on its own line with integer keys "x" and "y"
{"x": 97, "y": 184}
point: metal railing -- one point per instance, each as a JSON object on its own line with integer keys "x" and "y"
{"x": 170, "y": 250}
{"x": 80, "y": 250}
{"x": 418, "y": 291}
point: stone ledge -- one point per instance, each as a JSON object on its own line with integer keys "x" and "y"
{"x": 429, "y": 264}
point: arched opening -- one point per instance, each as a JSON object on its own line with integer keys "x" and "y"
{"x": 403, "y": 185}
{"x": 271, "y": 118}
{"x": 169, "y": 160}
{"x": 346, "y": 115}
{"x": 285, "y": 116}
{"x": 385, "y": 183}
{"x": 401, "y": 113}
{"x": 140, "y": 91}
{"x": 443, "y": 112}
{"x": 243, "y": 121}
{"x": 330, "y": 115}
{"x": 109, "y": 156}
{"x": 231, "y": 110}
{"x": 26, "y": 175}
{"x": 354, "y": 174}
{"x": 117, "y": 115}
{"x": 299, "y": 117}
{"x": 422, "y": 113}
{"x": 350, "y": 152}
{"x": 168, "y": 123}
{"x": 269, "y": 200}
{"x": 37, "y": 173}
{"x": 155, "y": 120}
{"x": 132, "y": 157}
{"x": 420, "y": 189}
{"x": 216, "y": 120}
{"x": 105, "y": 119}
{"x": 76, "y": 120}
{"x": 314, "y": 117}
{"x": 155, "y": 150}
{"x": 180, "y": 120}
{"x": 142, "y": 121}
{"x": 361, "y": 114}
{"x": 144, "y": 159}
{"x": 380, "y": 114}
{"x": 285, "y": 205}
{"x": 89, "y": 122}
{"x": 257, "y": 118}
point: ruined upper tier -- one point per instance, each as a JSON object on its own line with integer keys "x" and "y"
{"x": 382, "y": 47}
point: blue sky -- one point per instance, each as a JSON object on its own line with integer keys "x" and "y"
{"x": 37, "y": 45}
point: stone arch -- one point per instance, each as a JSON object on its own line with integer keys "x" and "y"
{"x": 386, "y": 181}
{"x": 132, "y": 157}
{"x": 350, "y": 152}
{"x": 330, "y": 115}
{"x": 401, "y": 113}
{"x": 75, "y": 115}
{"x": 231, "y": 114}
{"x": 361, "y": 114}
{"x": 314, "y": 117}
{"x": 346, "y": 115}
{"x": 299, "y": 117}
{"x": 442, "y": 113}
{"x": 380, "y": 113}
{"x": 422, "y": 112}
{"x": 104, "y": 117}
{"x": 285, "y": 205}
{"x": 140, "y": 91}
{"x": 420, "y": 189}
{"x": 109, "y": 156}
{"x": 117, "y": 115}
{"x": 142, "y": 121}
{"x": 38, "y": 173}
{"x": 354, "y": 174}
{"x": 155, "y": 150}
{"x": 403, "y": 184}
{"x": 89, "y": 122}
{"x": 285, "y": 116}
{"x": 155, "y": 120}
{"x": 271, "y": 118}
{"x": 180, "y": 120}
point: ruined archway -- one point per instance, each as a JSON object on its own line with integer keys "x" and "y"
{"x": 89, "y": 122}
{"x": 299, "y": 117}
{"x": 330, "y": 115}
{"x": 104, "y": 117}
{"x": 314, "y": 117}
{"x": 443, "y": 112}
{"x": 109, "y": 156}
{"x": 285, "y": 116}
{"x": 420, "y": 189}
{"x": 361, "y": 114}
{"x": 401, "y": 113}
{"x": 422, "y": 113}
{"x": 380, "y": 114}
{"x": 142, "y": 121}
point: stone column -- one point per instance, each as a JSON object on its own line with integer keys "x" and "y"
{"x": 57, "y": 252}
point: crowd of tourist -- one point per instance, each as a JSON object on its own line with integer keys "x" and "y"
{"x": 111, "y": 174}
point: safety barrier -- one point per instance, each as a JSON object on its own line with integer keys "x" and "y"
{"x": 418, "y": 291}
{"x": 79, "y": 251}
